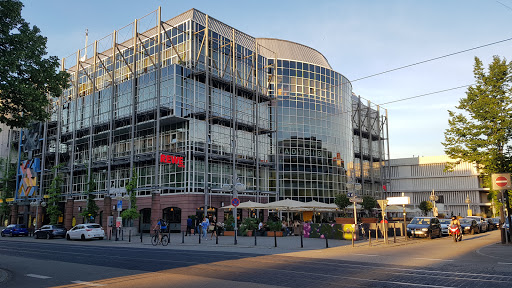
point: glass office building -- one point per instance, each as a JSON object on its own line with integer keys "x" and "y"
{"x": 191, "y": 106}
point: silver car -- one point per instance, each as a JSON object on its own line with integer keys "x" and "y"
{"x": 445, "y": 223}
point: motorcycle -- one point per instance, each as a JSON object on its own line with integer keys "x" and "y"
{"x": 454, "y": 230}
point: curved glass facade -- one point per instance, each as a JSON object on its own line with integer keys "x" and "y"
{"x": 314, "y": 130}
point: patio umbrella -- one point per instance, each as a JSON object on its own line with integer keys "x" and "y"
{"x": 286, "y": 204}
{"x": 247, "y": 205}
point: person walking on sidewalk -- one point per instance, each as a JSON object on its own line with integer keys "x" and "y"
{"x": 205, "y": 225}
{"x": 189, "y": 226}
{"x": 213, "y": 227}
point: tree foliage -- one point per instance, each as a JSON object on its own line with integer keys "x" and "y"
{"x": 369, "y": 203}
{"x": 54, "y": 192}
{"x": 27, "y": 77}
{"x": 480, "y": 132}
{"x": 131, "y": 213}
{"x": 426, "y": 206}
{"x": 91, "y": 209}
{"x": 341, "y": 201}
{"x": 7, "y": 187}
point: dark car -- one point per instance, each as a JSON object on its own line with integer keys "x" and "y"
{"x": 50, "y": 231}
{"x": 424, "y": 226}
{"x": 491, "y": 224}
{"x": 469, "y": 225}
{"x": 15, "y": 230}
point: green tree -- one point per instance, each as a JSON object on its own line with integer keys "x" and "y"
{"x": 91, "y": 210}
{"x": 341, "y": 201}
{"x": 54, "y": 192}
{"x": 480, "y": 132}
{"x": 131, "y": 213}
{"x": 7, "y": 188}
{"x": 27, "y": 77}
{"x": 426, "y": 206}
{"x": 369, "y": 203}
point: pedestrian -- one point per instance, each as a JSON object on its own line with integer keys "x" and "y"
{"x": 205, "y": 225}
{"x": 213, "y": 227}
{"x": 189, "y": 226}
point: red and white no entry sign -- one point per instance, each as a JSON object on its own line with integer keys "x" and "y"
{"x": 501, "y": 181}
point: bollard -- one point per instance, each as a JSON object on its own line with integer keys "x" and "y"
{"x": 199, "y": 238}
{"x": 169, "y": 236}
{"x": 254, "y": 231}
{"x": 326, "y": 242}
{"x": 377, "y": 232}
{"x": 117, "y": 234}
{"x": 122, "y": 234}
{"x": 130, "y": 236}
{"x": 352, "y": 238}
{"x": 394, "y": 232}
{"x": 301, "y": 242}
{"x": 217, "y": 236}
{"x": 275, "y": 239}
{"x": 182, "y": 237}
{"x": 370, "y": 238}
{"x": 141, "y": 235}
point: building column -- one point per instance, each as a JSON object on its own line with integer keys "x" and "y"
{"x": 39, "y": 217}
{"x": 107, "y": 210}
{"x": 156, "y": 211}
{"x": 14, "y": 214}
{"x": 68, "y": 213}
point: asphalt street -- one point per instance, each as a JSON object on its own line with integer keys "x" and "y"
{"x": 477, "y": 261}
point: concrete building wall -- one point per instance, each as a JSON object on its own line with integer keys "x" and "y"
{"x": 417, "y": 177}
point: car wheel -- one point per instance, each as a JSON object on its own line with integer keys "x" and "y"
{"x": 431, "y": 235}
{"x": 48, "y": 236}
{"x": 2, "y": 234}
{"x": 82, "y": 237}
{"x": 35, "y": 236}
{"x": 67, "y": 237}
{"x": 472, "y": 232}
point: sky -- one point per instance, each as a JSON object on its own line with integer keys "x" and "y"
{"x": 358, "y": 38}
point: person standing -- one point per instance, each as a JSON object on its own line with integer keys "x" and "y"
{"x": 189, "y": 226}
{"x": 214, "y": 228}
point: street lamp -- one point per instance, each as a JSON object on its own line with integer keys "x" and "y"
{"x": 36, "y": 203}
{"x": 468, "y": 201}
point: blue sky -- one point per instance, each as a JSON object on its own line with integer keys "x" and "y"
{"x": 359, "y": 38}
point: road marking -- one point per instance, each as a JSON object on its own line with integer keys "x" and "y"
{"x": 433, "y": 259}
{"x": 504, "y": 263}
{"x": 38, "y": 276}
{"x": 369, "y": 255}
{"x": 86, "y": 283}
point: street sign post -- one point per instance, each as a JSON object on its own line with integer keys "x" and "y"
{"x": 502, "y": 183}
{"x": 235, "y": 202}
{"x": 350, "y": 194}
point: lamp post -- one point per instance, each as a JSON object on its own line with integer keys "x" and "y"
{"x": 354, "y": 187}
{"x": 36, "y": 203}
{"x": 468, "y": 201}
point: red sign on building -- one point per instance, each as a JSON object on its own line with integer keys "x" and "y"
{"x": 170, "y": 159}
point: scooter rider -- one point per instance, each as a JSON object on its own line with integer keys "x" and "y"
{"x": 455, "y": 221}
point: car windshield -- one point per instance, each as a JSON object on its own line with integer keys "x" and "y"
{"x": 444, "y": 221}
{"x": 465, "y": 221}
{"x": 93, "y": 226}
{"x": 421, "y": 221}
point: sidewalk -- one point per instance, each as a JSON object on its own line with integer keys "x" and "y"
{"x": 264, "y": 245}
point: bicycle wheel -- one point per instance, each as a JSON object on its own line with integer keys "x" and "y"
{"x": 165, "y": 240}
{"x": 154, "y": 240}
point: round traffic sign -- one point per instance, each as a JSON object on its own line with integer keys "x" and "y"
{"x": 501, "y": 181}
{"x": 235, "y": 202}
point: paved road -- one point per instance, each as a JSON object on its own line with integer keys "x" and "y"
{"x": 475, "y": 262}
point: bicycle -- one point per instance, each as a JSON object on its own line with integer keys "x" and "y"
{"x": 155, "y": 241}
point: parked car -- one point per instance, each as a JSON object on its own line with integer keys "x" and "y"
{"x": 497, "y": 220}
{"x": 15, "y": 230}
{"x": 50, "y": 231}
{"x": 491, "y": 225}
{"x": 445, "y": 223}
{"x": 481, "y": 223}
{"x": 469, "y": 226}
{"x": 424, "y": 226}
{"x": 86, "y": 231}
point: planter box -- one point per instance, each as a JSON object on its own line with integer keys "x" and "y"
{"x": 229, "y": 233}
{"x": 278, "y": 233}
